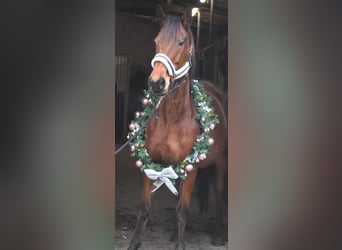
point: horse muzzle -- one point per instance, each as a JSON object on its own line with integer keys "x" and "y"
{"x": 158, "y": 86}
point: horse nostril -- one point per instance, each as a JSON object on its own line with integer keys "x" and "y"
{"x": 150, "y": 81}
{"x": 156, "y": 86}
{"x": 161, "y": 83}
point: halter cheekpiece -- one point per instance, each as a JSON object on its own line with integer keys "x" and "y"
{"x": 164, "y": 59}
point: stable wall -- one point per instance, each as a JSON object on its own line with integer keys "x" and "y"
{"x": 134, "y": 37}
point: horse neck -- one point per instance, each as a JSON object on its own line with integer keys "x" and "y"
{"x": 178, "y": 104}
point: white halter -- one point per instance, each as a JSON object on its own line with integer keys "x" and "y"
{"x": 164, "y": 59}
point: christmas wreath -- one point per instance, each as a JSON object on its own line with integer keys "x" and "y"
{"x": 206, "y": 117}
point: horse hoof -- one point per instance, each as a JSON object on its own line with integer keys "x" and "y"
{"x": 134, "y": 246}
{"x": 180, "y": 246}
{"x": 173, "y": 237}
{"x": 218, "y": 241}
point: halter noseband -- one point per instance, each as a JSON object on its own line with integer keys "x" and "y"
{"x": 164, "y": 59}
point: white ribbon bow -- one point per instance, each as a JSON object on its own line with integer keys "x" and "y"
{"x": 162, "y": 177}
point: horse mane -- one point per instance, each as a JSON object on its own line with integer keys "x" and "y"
{"x": 170, "y": 28}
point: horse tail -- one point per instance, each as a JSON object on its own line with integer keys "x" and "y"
{"x": 204, "y": 177}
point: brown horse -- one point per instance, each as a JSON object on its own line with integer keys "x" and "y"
{"x": 170, "y": 135}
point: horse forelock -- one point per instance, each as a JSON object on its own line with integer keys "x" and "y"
{"x": 170, "y": 28}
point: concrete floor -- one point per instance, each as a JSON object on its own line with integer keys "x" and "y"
{"x": 162, "y": 219}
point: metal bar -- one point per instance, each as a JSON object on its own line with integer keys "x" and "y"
{"x": 198, "y": 28}
{"x": 211, "y": 18}
{"x": 212, "y": 44}
{"x": 135, "y": 15}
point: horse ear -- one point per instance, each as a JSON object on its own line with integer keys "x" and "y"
{"x": 160, "y": 14}
{"x": 187, "y": 16}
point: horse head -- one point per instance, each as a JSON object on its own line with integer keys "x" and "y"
{"x": 174, "y": 48}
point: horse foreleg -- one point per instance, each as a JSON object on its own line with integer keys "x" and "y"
{"x": 183, "y": 207}
{"x": 221, "y": 167}
{"x": 143, "y": 214}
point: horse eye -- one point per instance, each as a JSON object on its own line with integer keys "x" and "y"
{"x": 181, "y": 43}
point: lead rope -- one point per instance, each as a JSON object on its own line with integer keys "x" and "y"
{"x": 155, "y": 110}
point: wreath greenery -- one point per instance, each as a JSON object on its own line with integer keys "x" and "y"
{"x": 206, "y": 117}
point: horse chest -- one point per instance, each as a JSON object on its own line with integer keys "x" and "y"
{"x": 171, "y": 143}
